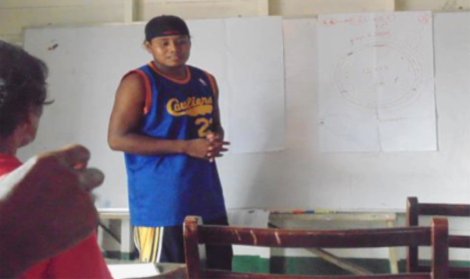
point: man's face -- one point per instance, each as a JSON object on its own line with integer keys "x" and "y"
{"x": 170, "y": 51}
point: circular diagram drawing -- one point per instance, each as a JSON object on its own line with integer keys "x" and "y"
{"x": 378, "y": 76}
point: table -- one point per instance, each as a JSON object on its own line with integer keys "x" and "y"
{"x": 132, "y": 269}
{"x": 311, "y": 220}
{"x": 286, "y": 219}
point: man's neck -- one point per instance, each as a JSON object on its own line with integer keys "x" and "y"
{"x": 176, "y": 72}
{"x": 9, "y": 145}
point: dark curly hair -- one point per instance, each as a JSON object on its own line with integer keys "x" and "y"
{"x": 22, "y": 86}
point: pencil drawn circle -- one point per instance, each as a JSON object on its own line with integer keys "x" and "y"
{"x": 378, "y": 76}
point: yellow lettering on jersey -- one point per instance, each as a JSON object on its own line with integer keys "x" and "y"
{"x": 192, "y": 106}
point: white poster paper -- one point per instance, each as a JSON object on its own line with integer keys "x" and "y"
{"x": 376, "y": 83}
{"x": 255, "y": 73}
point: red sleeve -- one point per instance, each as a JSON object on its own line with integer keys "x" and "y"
{"x": 81, "y": 261}
{"x": 36, "y": 271}
{"x": 8, "y": 164}
{"x": 84, "y": 260}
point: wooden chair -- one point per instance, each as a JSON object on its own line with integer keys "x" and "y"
{"x": 194, "y": 234}
{"x": 416, "y": 209}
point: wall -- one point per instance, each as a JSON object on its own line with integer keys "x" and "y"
{"x": 15, "y": 15}
{"x": 18, "y": 14}
{"x": 301, "y": 175}
{"x": 263, "y": 185}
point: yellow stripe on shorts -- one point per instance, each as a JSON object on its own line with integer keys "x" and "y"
{"x": 148, "y": 241}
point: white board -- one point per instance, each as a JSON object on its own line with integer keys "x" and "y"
{"x": 300, "y": 176}
{"x": 87, "y": 63}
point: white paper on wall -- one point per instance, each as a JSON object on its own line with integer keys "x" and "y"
{"x": 255, "y": 76}
{"x": 376, "y": 83}
{"x": 249, "y": 69}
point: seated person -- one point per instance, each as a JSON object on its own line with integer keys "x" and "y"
{"x": 22, "y": 97}
{"x": 60, "y": 209}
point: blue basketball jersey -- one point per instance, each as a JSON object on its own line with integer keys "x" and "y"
{"x": 163, "y": 189}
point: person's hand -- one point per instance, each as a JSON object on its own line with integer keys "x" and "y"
{"x": 217, "y": 146}
{"x": 197, "y": 148}
{"x": 206, "y": 148}
{"x": 48, "y": 209}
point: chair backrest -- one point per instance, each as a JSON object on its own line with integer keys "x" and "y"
{"x": 414, "y": 209}
{"x": 194, "y": 234}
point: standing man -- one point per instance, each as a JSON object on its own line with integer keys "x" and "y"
{"x": 166, "y": 120}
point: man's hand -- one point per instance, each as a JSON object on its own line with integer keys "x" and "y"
{"x": 209, "y": 148}
{"x": 48, "y": 208}
{"x": 216, "y": 146}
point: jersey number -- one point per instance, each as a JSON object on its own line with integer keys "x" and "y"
{"x": 204, "y": 124}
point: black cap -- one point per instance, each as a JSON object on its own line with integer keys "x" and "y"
{"x": 165, "y": 25}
